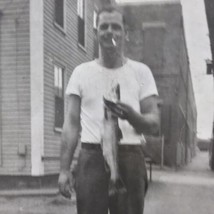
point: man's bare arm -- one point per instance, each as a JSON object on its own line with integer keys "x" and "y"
{"x": 70, "y": 135}
{"x": 148, "y": 121}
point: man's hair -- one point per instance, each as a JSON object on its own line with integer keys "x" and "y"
{"x": 110, "y": 9}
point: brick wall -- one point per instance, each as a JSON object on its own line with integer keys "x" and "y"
{"x": 156, "y": 38}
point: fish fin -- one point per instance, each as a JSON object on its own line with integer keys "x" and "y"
{"x": 121, "y": 188}
{"x": 117, "y": 90}
{"x": 106, "y": 166}
{"x": 105, "y": 113}
{"x": 120, "y": 134}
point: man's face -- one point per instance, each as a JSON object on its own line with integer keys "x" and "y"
{"x": 111, "y": 32}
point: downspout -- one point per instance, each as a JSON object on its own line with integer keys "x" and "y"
{"x": 187, "y": 108}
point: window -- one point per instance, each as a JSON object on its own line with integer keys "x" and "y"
{"x": 59, "y": 12}
{"x": 59, "y": 96}
{"x": 95, "y": 20}
{"x": 81, "y": 22}
{"x": 96, "y": 47}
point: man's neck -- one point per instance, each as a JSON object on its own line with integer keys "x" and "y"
{"x": 111, "y": 60}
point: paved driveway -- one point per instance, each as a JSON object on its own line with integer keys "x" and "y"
{"x": 189, "y": 190}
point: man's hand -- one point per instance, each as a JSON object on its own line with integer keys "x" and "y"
{"x": 66, "y": 183}
{"x": 121, "y": 110}
{"x": 125, "y": 110}
{"x": 146, "y": 121}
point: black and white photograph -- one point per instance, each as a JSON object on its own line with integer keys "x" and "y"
{"x": 106, "y": 106}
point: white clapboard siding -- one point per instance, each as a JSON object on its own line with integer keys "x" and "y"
{"x": 15, "y": 87}
{"x": 61, "y": 48}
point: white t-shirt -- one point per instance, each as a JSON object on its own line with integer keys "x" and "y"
{"x": 91, "y": 82}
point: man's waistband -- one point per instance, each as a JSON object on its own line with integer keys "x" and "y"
{"x": 93, "y": 146}
{"x": 123, "y": 147}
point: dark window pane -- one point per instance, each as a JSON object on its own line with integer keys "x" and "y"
{"x": 59, "y": 112}
{"x": 81, "y": 31}
{"x": 59, "y": 15}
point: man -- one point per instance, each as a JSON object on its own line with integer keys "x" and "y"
{"x": 138, "y": 113}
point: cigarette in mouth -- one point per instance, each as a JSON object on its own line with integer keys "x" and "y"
{"x": 114, "y": 42}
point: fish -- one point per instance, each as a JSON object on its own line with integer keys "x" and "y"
{"x": 110, "y": 139}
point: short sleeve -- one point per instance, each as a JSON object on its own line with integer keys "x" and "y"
{"x": 147, "y": 84}
{"x": 73, "y": 86}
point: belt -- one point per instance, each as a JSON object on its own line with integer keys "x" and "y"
{"x": 122, "y": 147}
{"x": 91, "y": 146}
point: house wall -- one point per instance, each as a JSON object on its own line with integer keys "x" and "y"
{"x": 61, "y": 47}
{"x": 15, "y": 152}
{"x": 156, "y": 38}
{"x": 186, "y": 110}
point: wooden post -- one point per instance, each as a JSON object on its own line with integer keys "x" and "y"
{"x": 162, "y": 151}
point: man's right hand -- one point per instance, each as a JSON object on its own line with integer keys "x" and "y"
{"x": 66, "y": 183}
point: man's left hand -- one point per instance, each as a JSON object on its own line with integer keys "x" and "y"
{"x": 121, "y": 110}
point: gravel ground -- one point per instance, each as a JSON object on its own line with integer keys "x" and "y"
{"x": 36, "y": 205}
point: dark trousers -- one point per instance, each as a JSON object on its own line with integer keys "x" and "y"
{"x": 92, "y": 181}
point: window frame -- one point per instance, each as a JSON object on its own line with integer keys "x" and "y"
{"x": 83, "y": 18}
{"x": 95, "y": 19}
{"x": 95, "y": 45}
{"x": 59, "y": 95}
{"x": 57, "y": 25}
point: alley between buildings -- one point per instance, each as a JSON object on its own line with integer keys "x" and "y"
{"x": 189, "y": 190}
